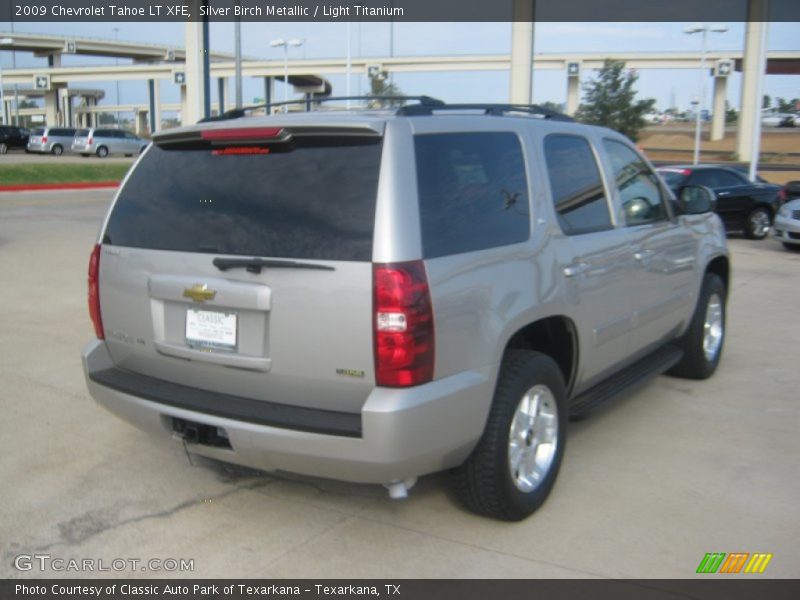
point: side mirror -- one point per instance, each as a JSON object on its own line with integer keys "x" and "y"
{"x": 696, "y": 200}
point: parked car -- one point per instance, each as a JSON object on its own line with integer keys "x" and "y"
{"x": 12, "y": 137}
{"x": 742, "y": 205}
{"x": 51, "y": 140}
{"x": 103, "y": 142}
{"x": 778, "y": 119}
{"x": 374, "y": 296}
{"x": 787, "y": 225}
{"x": 790, "y": 191}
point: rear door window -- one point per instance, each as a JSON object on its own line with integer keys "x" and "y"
{"x": 578, "y": 192}
{"x": 473, "y": 192}
{"x": 316, "y": 201}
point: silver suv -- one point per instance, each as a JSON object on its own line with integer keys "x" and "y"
{"x": 374, "y": 296}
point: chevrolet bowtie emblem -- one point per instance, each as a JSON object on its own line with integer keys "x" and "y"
{"x": 199, "y": 293}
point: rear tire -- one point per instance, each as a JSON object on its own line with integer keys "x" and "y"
{"x": 513, "y": 468}
{"x": 3, "y": 148}
{"x": 102, "y": 152}
{"x": 58, "y": 150}
{"x": 702, "y": 343}
{"x": 757, "y": 224}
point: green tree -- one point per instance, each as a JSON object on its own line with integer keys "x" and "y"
{"x": 552, "y": 106}
{"x": 766, "y": 102}
{"x": 610, "y": 100}
{"x": 731, "y": 114}
{"x": 380, "y": 85}
{"x": 786, "y": 106}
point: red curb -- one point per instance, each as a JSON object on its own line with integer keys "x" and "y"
{"x": 31, "y": 187}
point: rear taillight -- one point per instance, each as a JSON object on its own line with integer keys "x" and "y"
{"x": 94, "y": 292}
{"x": 89, "y": 141}
{"x": 44, "y": 139}
{"x": 782, "y": 195}
{"x": 403, "y": 323}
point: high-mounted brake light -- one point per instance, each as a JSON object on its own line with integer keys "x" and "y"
{"x": 94, "y": 292}
{"x": 237, "y": 134}
{"x": 403, "y": 323}
{"x": 237, "y": 150}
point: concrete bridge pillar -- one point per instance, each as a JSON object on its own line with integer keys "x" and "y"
{"x": 753, "y": 67}
{"x": 718, "y": 108}
{"x": 521, "y": 71}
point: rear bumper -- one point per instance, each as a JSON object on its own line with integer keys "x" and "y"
{"x": 37, "y": 148}
{"x": 404, "y": 433}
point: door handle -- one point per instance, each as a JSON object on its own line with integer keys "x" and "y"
{"x": 575, "y": 269}
{"x": 643, "y": 255}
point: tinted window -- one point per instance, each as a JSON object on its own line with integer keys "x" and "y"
{"x": 38, "y": 131}
{"x": 82, "y": 133}
{"x": 715, "y": 178}
{"x": 316, "y": 201}
{"x": 638, "y": 186}
{"x": 473, "y": 192}
{"x": 673, "y": 179}
{"x": 578, "y": 193}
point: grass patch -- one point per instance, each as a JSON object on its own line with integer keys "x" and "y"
{"x": 68, "y": 173}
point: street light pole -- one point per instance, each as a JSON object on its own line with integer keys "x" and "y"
{"x": 285, "y": 44}
{"x": 116, "y": 62}
{"x": 704, "y": 29}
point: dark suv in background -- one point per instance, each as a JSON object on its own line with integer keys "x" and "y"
{"x": 12, "y": 137}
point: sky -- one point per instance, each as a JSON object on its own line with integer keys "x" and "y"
{"x": 329, "y": 40}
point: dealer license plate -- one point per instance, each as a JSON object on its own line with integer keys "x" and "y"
{"x": 211, "y": 329}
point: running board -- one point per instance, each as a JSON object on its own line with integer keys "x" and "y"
{"x": 638, "y": 373}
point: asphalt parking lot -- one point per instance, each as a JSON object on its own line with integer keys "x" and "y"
{"x": 648, "y": 486}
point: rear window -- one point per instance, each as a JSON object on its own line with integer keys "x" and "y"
{"x": 82, "y": 133}
{"x": 38, "y": 131}
{"x": 473, "y": 192}
{"x": 63, "y": 132}
{"x": 316, "y": 201}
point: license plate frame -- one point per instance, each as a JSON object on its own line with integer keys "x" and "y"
{"x": 211, "y": 329}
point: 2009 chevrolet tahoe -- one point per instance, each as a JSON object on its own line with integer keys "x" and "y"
{"x": 377, "y": 295}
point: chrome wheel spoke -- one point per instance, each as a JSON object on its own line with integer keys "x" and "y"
{"x": 533, "y": 438}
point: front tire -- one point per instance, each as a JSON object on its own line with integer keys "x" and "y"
{"x": 702, "y": 342}
{"x": 513, "y": 468}
{"x": 758, "y": 222}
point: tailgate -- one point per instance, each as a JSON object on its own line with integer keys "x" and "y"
{"x": 245, "y": 269}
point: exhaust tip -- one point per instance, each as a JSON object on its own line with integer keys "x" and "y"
{"x": 398, "y": 490}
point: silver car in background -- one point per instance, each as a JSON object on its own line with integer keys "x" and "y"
{"x": 103, "y": 142}
{"x": 51, "y": 140}
{"x": 786, "y": 227}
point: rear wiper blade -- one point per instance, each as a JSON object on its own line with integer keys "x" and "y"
{"x": 254, "y": 265}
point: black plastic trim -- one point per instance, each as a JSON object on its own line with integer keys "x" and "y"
{"x": 298, "y": 418}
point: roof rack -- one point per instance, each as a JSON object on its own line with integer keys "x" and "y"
{"x": 236, "y": 113}
{"x": 497, "y": 110}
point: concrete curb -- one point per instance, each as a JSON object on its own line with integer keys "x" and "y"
{"x": 33, "y": 187}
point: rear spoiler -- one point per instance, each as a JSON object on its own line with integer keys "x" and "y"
{"x": 215, "y": 136}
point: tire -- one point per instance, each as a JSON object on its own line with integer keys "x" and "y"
{"x": 757, "y": 224}
{"x": 57, "y": 149}
{"x": 485, "y": 482}
{"x": 102, "y": 152}
{"x": 700, "y": 360}
{"x": 789, "y": 246}
{"x": 3, "y": 148}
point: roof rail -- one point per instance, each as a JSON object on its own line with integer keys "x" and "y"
{"x": 236, "y": 113}
{"x": 487, "y": 109}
